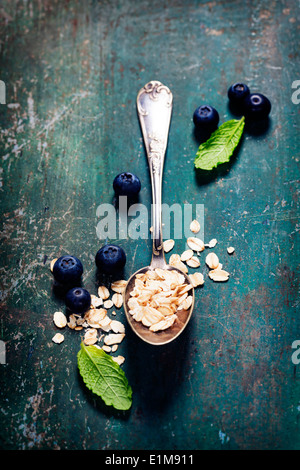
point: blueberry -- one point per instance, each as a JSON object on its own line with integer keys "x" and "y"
{"x": 110, "y": 259}
{"x": 67, "y": 270}
{"x": 256, "y": 106}
{"x": 206, "y": 117}
{"x": 237, "y": 93}
{"x": 78, "y": 300}
{"x": 127, "y": 184}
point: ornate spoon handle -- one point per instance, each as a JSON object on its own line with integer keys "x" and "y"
{"x": 154, "y": 105}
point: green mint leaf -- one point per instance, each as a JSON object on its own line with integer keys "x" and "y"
{"x": 104, "y": 377}
{"x": 220, "y": 146}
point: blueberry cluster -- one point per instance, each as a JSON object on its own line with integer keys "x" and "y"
{"x": 254, "y": 106}
{"x": 67, "y": 270}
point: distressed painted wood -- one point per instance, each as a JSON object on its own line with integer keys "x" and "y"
{"x": 72, "y": 72}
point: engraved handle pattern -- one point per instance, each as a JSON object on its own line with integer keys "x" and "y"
{"x": 154, "y": 105}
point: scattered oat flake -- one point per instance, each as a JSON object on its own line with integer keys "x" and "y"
{"x": 230, "y": 250}
{"x": 81, "y": 321}
{"x": 117, "y": 300}
{"x": 212, "y": 261}
{"x": 174, "y": 259}
{"x": 118, "y": 286}
{"x": 218, "y": 275}
{"x": 168, "y": 245}
{"x": 197, "y": 279}
{"x": 212, "y": 243}
{"x": 193, "y": 262}
{"x": 60, "y": 320}
{"x": 90, "y": 337}
{"x": 187, "y": 254}
{"x": 114, "y": 347}
{"x": 96, "y": 301}
{"x": 103, "y": 292}
{"x": 195, "y": 244}
{"x": 114, "y": 338}
{"x": 96, "y": 317}
{"x": 118, "y": 359}
{"x": 176, "y": 262}
{"x": 106, "y": 348}
{"x": 108, "y": 303}
{"x": 72, "y": 322}
{"x": 181, "y": 266}
{"x": 105, "y": 324}
{"x": 58, "y": 338}
{"x": 117, "y": 326}
{"x": 195, "y": 226}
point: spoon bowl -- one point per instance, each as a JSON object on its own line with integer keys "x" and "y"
{"x": 154, "y": 106}
{"x": 164, "y": 336}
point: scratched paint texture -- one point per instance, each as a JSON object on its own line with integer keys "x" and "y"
{"x": 72, "y": 71}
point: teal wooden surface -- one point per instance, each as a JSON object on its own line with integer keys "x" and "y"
{"x": 72, "y": 72}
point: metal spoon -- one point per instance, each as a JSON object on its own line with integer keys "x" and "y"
{"x": 154, "y": 106}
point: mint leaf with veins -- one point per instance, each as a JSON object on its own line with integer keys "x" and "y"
{"x": 220, "y": 146}
{"x": 104, "y": 377}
